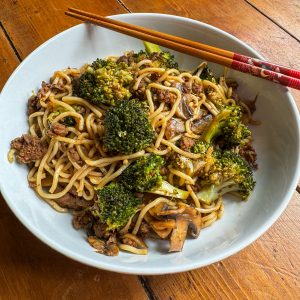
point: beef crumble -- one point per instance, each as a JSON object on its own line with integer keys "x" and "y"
{"x": 28, "y": 148}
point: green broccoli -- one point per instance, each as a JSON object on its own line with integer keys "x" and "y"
{"x": 162, "y": 59}
{"x": 115, "y": 205}
{"x": 167, "y": 189}
{"x": 68, "y": 121}
{"x": 127, "y": 129}
{"x": 104, "y": 82}
{"x": 207, "y": 74}
{"x": 139, "y": 56}
{"x": 200, "y": 147}
{"x": 144, "y": 176}
{"x": 227, "y": 125}
{"x": 230, "y": 173}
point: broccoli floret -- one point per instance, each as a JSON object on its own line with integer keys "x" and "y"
{"x": 104, "y": 82}
{"x": 67, "y": 121}
{"x": 215, "y": 128}
{"x": 207, "y": 74}
{"x": 141, "y": 55}
{"x": 162, "y": 59}
{"x": 116, "y": 205}
{"x": 230, "y": 173}
{"x": 228, "y": 125}
{"x": 127, "y": 129}
{"x": 144, "y": 174}
{"x": 200, "y": 147}
{"x": 167, "y": 189}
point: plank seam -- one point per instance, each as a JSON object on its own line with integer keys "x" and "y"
{"x": 124, "y": 6}
{"x": 146, "y": 285}
{"x": 272, "y": 20}
{"x": 10, "y": 42}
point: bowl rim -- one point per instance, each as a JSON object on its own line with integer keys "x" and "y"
{"x": 187, "y": 266}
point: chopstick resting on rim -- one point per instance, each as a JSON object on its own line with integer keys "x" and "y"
{"x": 266, "y": 70}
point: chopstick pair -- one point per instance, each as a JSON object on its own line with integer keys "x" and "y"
{"x": 266, "y": 70}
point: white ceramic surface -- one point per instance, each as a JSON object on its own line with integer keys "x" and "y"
{"x": 276, "y": 142}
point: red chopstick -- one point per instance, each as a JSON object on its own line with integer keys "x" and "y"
{"x": 266, "y": 70}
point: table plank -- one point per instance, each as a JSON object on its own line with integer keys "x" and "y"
{"x": 8, "y": 59}
{"x": 28, "y": 268}
{"x": 272, "y": 261}
{"x": 249, "y": 274}
{"x": 238, "y": 18}
{"x": 31, "y": 270}
{"x": 286, "y": 15}
{"x": 267, "y": 269}
{"x": 37, "y": 21}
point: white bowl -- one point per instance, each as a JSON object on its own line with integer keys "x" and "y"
{"x": 276, "y": 142}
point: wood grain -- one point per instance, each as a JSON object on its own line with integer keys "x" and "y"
{"x": 31, "y": 270}
{"x": 8, "y": 59}
{"x": 287, "y": 16}
{"x": 28, "y": 268}
{"x": 268, "y": 269}
{"x": 30, "y": 23}
{"x": 238, "y": 18}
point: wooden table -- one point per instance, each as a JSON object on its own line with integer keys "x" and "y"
{"x": 268, "y": 269}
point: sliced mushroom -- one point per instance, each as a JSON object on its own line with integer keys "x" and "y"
{"x": 174, "y": 126}
{"x": 184, "y": 111}
{"x": 199, "y": 125}
{"x": 172, "y": 213}
{"x": 161, "y": 225}
{"x": 195, "y": 221}
{"x": 179, "y": 234}
{"x": 163, "y": 233}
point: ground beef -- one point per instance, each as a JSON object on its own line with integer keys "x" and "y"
{"x": 164, "y": 171}
{"x": 71, "y": 201}
{"x": 174, "y": 126}
{"x": 144, "y": 230}
{"x": 44, "y": 90}
{"x": 103, "y": 247}
{"x": 100, "y": 230}
{"x": 58, "y": 129}
{"x": 197, "y": 88}
{"x": 186, "y": 143}
{"x": 74, "y": 155}
{"x": 249, "y": 154}
{"x": 46, "y": 87}
{"x": 28, "y": 148}
{"x": 163, "y": 95}
{"x": 82, "y": 219}
{"x": 112, "y": 239}
{"x": 127, "y": 59}
{"x": 186, "y": 88}
{"x": 140, "y": 92}
{"x": 154, "y": 76}
{"x": 33, "y": 105}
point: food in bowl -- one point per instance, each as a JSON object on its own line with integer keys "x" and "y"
{"x": 135, "y": 147}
